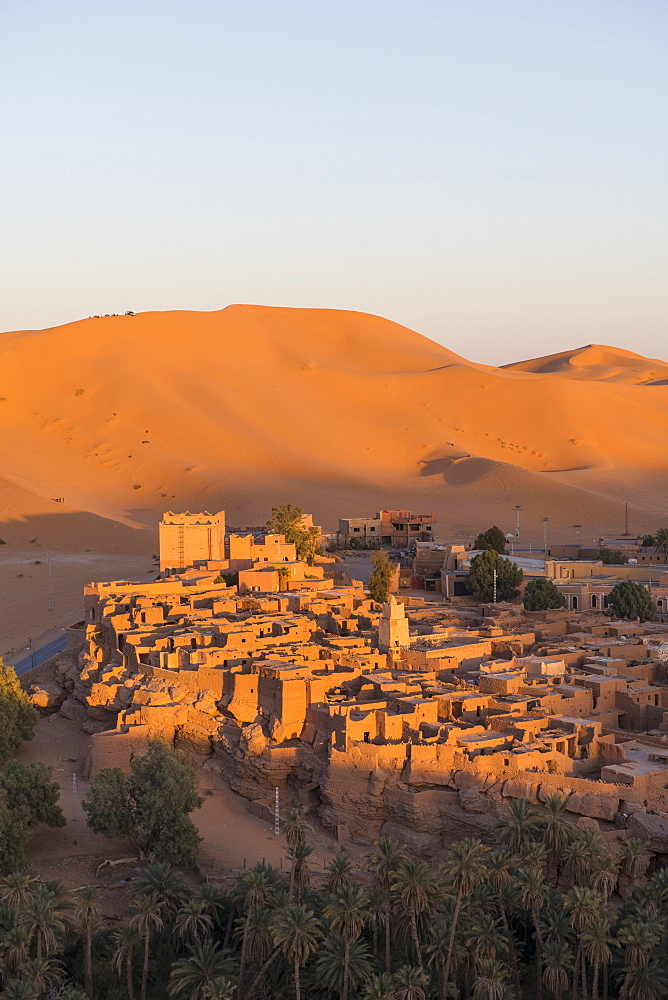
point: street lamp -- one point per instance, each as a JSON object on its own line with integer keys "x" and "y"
{"x": 517, "y": 511}
{"x": 577, "y": 531}
{"x": 545, "y": 520}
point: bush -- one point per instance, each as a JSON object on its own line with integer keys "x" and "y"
{"x": 611, "y": 557}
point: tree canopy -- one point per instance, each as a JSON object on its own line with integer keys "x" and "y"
{"x": 382, "y": 576}
{"x": 480, "y": 580}
{"x": 493, "y": 539}
{"x": 542, "y": 595}
{"x": 631, "y": 600}
{"x": 288, "y": 520}
{"x": 18, "y": 717}
{"x": 614, "y": 557}
{"x": 151, "y": 807}
{"x": 28, "y": 796}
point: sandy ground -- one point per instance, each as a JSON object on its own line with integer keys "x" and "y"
{"x": 231, "y": 836}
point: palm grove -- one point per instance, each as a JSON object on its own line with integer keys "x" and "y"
{"x": 536, "y": 913}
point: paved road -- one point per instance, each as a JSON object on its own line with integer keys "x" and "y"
{"x": 39, "y": 656}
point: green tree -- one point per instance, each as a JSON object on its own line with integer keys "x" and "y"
{"x": 649, "y": 541}
{"x": 88, "y": 919}
{"x": 661, "y": 542}
{"x": 382, "y": 576}
{"x": 630, "y": 600}
{"x": 45, "y": 920}
{"x": 147, "y": 921}
{"x": 611, "y": 557}
{"x": 125, "y": 941}
{"x": 542, "y": 595}
{"x": 491, "y": 982}
{"x": 465, "y": 865}
{"x": 346, "y": 916}
{"x": 18, "y": 718}
{"x": 343, "y": 965}
{"x": 480, "y": 580}
{"x": 492, "y": 540}
{"x": 195, "y": 974}
{"x": 557, "y": 963}
{"x": 288, "y": 520}
{"x": 28, "y": 797}
{"x": 413, "y": 886}
{"x": 151, "y": 807}
{"x": 384, "y": 864}
{"x": 339, "y": 873}
{"x": 410, "y": 983}
{"x": 297, "y": 932}
{"x": 519, "y": 825}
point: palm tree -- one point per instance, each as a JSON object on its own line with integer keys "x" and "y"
{"x": 296, "y": 826}
{"x": 635, "y": 857}
{"x": 375, "y": 910}
{"x": 20, "y": 989}
{"x": 222, "y": 988}
{"x": 490, "y": 984}
{"x": 148, "y": 920}
{"x": 661, "y": 542}
{"x": 484, "y": 938}
{"x": 640, "y": 936}
{"x": 556, "y": 831}
{"x": 533, "y": 893}
{"x": 379, "y": 987}
{"x": 557, "y": 963}
{"x": 125, "y": 941}
{"x": 604, "y": 876}
{"x": 339, "y": 873}
{"x": 45, "y": 973}
{"x": 646, "y": 982}
{"x": 168, "y": 884}
{"x": 297, "y": 932}
{"x": 519, "y": 825}
{"x": 88, "y": 918}
{"x": 577, "y": 861}
{"x": 15, "y": 948}
{"x": 466, "y": 867}
{"x": 16, "y": 890}
{"x": 299, "y": 873}
{"x": 196, "y": 972}
{"x": 584, "y": 907}
{"x": 413, "y": 884}
{"x": 596, "y": 942}
{"x": 343, "y": 965}
{"x": 212, "y": 897}
{"x": 43, "y": 919}
{"x": 385, "y": 864}
{"x": 346, "y": 914}
{"x": 193, "y": 920}
{"x": 437, "y": 949}
{"x": 500, "y": 877}
{"x": 256, "y": 888}
{"x": 409, "y": 983}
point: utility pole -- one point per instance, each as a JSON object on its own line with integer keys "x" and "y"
{"x": 48, "y": 556}
{"x": 495, "y": 586}
{"x": 517, "y": 527}
{"x": 74, "y": 795}
{"x": 277, "y": 816}
{"x": 626, "y": 517}
{"x": 577, "y": 532}
{"x": 545, "y": 520}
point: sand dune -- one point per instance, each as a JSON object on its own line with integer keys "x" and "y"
{"x": 340, "y": 412}
{"x": 596, "y": 363}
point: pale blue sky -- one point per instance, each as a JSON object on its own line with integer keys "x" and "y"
{"x": 491, "y": 173}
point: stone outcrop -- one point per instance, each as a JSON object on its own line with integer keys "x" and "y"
{"x": 651, "y": 828}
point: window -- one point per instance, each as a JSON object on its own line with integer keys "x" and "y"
{"x": 427, "y": 527}
{"x": 399, "y": 527}
{"x": 372, "y": 529}
{"x": 356, "y": 529}
{"x": 574, "y": 603}
{"x": 415, "y": 527}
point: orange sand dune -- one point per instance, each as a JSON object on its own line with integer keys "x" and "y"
{"x": 339, "y": 412}
{"x": 596, "y": 363}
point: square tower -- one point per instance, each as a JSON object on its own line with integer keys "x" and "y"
{"x": 189, "y": 538}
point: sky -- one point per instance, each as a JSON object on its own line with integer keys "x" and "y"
{"x": 490, "y": 173}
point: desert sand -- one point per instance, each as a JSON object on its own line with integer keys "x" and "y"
{"x": 340, "y": 412}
